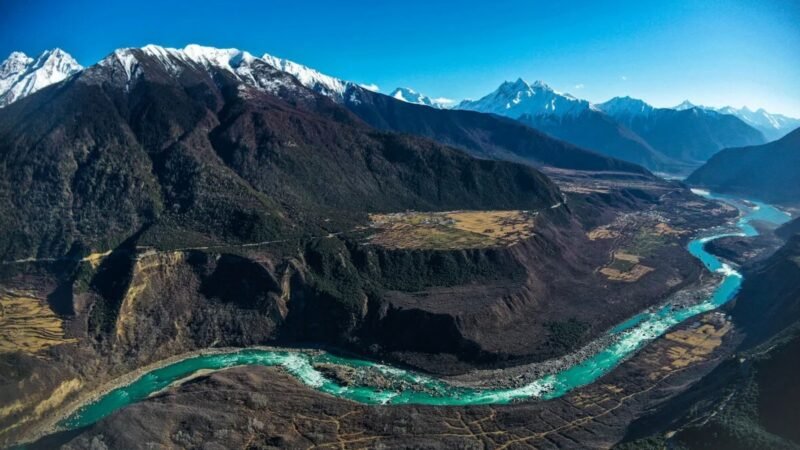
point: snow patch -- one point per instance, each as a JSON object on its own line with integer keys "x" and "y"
{"x": 701, "y": 192}
{"x": 371, "y": 87}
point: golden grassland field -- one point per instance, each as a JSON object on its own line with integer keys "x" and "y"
{"x": 452, "y": 229}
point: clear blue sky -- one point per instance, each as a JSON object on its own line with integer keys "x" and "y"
{"x": 711, "y": 52}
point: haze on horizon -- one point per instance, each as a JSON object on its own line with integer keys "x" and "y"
{"x": 713, "y": 53}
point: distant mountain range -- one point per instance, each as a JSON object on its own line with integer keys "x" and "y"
{"x": 481, "y": 135}
{"x": 485, "y": 136}
{"x": 769, "y": 172}
{"x": 570, "y": 119}
{"x": 689, "y": 135}
{"x": 773, "y": 126}
{"x": 661, "y": 139}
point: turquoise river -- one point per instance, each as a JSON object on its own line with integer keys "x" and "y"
{"x": 629, "y": 336}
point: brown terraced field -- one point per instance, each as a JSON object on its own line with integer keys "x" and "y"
{"x": 28, "y": 324}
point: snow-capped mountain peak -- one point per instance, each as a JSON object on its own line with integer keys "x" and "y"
{"x": 518, "y": 98}
{"x": 21, "y": 75}
{"x": 625, "y": 106}
{"x": 233, "y": 60}
{"x": 16, "y": 62}
{"x": 684, "y": 105}
{"x": 409, "y": 95}
{"x": 226, "y": 58}
{"x": 12, "y": 69}
{"x": 515, "y": 86}
{"x": 539, "y": 84}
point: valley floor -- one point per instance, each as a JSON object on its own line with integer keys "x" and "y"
{"x": 252, "y": 406}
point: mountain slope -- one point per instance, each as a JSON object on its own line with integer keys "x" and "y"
{"x": 769, "y": 172}
{"x": 482, "y": 135}
{"x": 769, "y": 301}
{"x": 571, "y": 119}
{"x": 687, "y": 133}
{"x": 209, "y": 145}
{"x": 595, "y": 130}
{"x": 788, "y": 229}
{"x": 21, "y": 75}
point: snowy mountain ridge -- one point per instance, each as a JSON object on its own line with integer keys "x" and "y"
{"x": 240, "y": 63}
{"x": 310, "y": 78}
